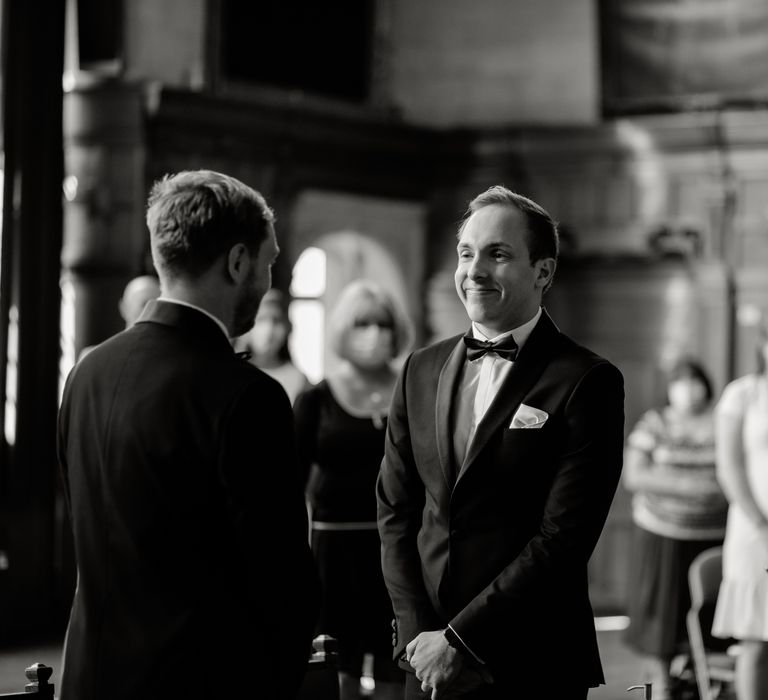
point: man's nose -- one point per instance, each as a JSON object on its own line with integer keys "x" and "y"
{"x": 476, "y": 268}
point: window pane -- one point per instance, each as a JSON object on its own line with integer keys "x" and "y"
{"x": 309, "y": 274}
{"x": 308, "y": 337}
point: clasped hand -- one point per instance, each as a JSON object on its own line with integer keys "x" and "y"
{"x": 440, "y": 667}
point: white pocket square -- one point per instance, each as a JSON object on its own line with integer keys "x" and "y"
{"x": 528, "y": 417}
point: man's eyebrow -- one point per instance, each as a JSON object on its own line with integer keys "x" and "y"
{"x": 488, "y": 246}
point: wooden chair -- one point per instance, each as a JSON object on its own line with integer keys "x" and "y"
{"x": 713, "y": 665}
{"x": 37, "y": 675}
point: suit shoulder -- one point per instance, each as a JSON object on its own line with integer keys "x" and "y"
{"x": 244, "y": 387}
{"x": 315, "y": 390}
{"x": 583, "y": 360}
{"x": 313, "y": 393}
{"x": 438, "y": 349}
{"x": 250, "y": 375}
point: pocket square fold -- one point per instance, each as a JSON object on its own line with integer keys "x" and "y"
{"x": 528, "y": 417}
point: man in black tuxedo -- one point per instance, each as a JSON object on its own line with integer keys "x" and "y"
{"x": 194, "y": 574}
{"x": 503, "y": 453}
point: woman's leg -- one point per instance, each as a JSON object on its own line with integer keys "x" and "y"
{"x": 752, "y": 670}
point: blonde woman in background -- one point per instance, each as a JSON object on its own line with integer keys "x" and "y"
{"x": 340, "y": 427}
{"x": 742, "y": 467}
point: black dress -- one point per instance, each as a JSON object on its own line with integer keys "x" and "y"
{"x": 340, "y": 455}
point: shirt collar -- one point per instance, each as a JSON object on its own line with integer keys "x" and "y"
{"x": 520, "y": 334}
{"x": 213, "y": 318}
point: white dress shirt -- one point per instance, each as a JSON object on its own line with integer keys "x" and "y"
{"x": 481, "y": 379}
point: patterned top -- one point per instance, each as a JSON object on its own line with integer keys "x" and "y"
{"x": 679, "y": 449}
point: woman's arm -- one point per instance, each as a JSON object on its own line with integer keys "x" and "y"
{"x": 645, "y": 445}
{"x": 641, "y": 474}
{"x": 731, "y": 470}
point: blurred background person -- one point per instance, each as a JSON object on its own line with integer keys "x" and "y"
{"x": 267, "y": 342}
{"x": 136, "y": 294}
{"x": 340, "y": 427}
{"x": 742, "y": 467}
{"x": 678, "y": 509}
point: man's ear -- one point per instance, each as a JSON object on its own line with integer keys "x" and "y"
{"x": 238, "y": 262}
{"x": 545, "y": 271}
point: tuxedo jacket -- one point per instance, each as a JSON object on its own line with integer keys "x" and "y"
{"x": 194, "y": 574}
{"x": 501, "y": 554}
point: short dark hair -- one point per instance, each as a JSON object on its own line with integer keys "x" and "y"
{"x": 542, "y": 239}
{"x": 688, "y": 368}
{"x": 195, "y": 216}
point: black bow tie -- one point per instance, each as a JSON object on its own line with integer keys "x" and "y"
{"x": 506, "y": 348}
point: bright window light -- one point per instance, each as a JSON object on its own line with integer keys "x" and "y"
{"x": 67, "y": 330}
{"x": 611, "y": 623}
{"x": 309, "y": 274}
{"x": 307, "y": 313}
{"x": 70, "y": 187}
{"x": 306, "y": 343}
{"x": 11, "y": 375}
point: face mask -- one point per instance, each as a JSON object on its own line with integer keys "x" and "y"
{"x": 686, "y": 395}
{"x": 369, "y": 346}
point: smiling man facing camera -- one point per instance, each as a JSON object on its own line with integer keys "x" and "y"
{"x": 503, "y": 453}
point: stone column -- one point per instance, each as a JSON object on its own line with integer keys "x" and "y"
{"x": 106, "y": 242}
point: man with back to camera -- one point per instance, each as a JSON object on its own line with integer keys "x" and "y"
{"x": 503, "y": 453}
{"x": 194, "y": 573}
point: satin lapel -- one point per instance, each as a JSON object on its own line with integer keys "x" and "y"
{"x": 526, "y": 371}
{"x": 446, "y": 390}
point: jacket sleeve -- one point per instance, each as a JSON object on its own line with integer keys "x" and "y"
{"x": 585, "y": 480}
{"x": 62, "y": 437}
{"x": 266, "y": 507}
{"x": 400, "y": 495}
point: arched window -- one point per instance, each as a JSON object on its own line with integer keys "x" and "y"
{"x": 307, "y": 313}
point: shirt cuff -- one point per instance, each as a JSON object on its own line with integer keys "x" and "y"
{"x": 464, "y": 646}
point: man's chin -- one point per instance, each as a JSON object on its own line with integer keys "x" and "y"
{"x": 477, "y": 314}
